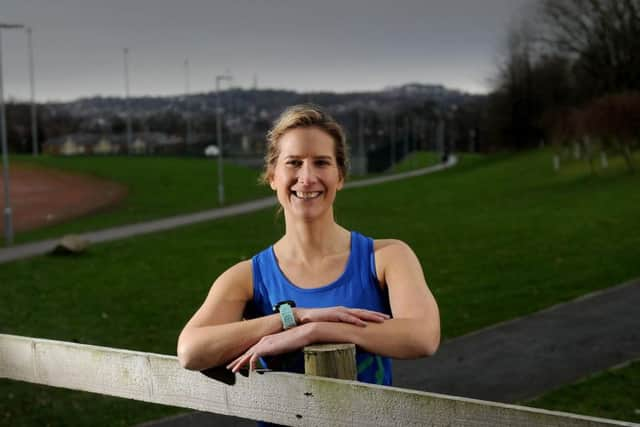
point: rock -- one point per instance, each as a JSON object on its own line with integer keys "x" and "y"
{"x": 71, "y": 244}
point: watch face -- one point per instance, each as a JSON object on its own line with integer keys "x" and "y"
{"x": 276, "y": 308}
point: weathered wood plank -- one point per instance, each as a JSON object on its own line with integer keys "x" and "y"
{"x": 282, "y": 398}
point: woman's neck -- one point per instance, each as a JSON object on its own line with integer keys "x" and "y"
{"x": 307, "y": 241}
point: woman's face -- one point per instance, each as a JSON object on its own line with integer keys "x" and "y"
{"x": 306, "y": 176}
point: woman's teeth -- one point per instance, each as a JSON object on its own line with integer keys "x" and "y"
{"x": 306, "y": 195}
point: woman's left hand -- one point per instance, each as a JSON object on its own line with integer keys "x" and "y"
{"x": 271, "y": 345}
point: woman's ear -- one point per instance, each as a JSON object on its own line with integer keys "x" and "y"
{"x": 271, "y": 183}
{"x": 340, "y": 183}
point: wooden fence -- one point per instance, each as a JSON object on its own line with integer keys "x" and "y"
{"x": 279, "y": 397}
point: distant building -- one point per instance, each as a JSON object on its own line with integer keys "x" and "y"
{"x": 95, "y": 144}
{"x": 139, "y": 146}
{"x": 104, "y": 146}
{"x": 70, "y": 147}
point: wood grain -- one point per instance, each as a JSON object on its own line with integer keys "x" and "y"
{"x": 278, "y": 397}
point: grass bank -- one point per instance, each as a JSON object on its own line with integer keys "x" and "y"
{"x": 614, "y": 393}
{"x": 498, "y": 237}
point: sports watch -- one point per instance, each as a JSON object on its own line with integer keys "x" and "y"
{"x": 286, "y": 313}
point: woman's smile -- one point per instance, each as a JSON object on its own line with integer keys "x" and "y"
{"x": 306, "y": 195}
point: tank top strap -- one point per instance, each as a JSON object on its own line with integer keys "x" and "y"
{"x": 365, "y": 257}
{"x": 264, "y": 273}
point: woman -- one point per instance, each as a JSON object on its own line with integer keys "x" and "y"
{"x": 319, "y": 282}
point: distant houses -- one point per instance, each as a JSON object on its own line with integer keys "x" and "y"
{"x": 144, "y": 143}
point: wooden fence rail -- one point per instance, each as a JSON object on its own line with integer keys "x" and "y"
{"x": 279, "y": 397}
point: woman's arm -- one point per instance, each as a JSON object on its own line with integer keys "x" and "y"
{"x": 414, "y": 330}
{"x": 216, "y": 333}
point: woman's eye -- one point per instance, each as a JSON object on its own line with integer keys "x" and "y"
{"x": 293, "y": 163}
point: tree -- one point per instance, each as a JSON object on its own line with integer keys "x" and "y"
{"x": 601, "y": 37}
{"x": 530, "y": 81}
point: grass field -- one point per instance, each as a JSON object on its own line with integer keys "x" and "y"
{"x": 615, "y": 392}
{"x": 158, "y": 187}
{"x": 164, "y": 186}
{"x": 416, "y": 160}
{"x": 498, "y": 237}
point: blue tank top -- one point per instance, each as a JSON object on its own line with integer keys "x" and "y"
{"x": 357, "y": 287}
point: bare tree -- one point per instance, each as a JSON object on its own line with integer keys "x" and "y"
{"x": 601, "y": 37}
{"x": 530, "y": 80}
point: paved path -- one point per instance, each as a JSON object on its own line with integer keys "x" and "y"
{"x": 122, "y": 232}
{"x": 515, "y": 360}
{"x": 522, "y": 358}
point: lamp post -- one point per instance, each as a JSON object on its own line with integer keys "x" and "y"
{"x": 187, "y": 84}
{"x": 219, "y": 78}
{"x": 125, "y": 53}
{"x": 32, "y": 84}
{"x": 8, "y": 223}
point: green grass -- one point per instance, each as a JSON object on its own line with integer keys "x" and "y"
{"x": 158, "y": 187}
{"x": 611, "y": 394}
{"x": 416, "y": 160}
{"x": 162, "y": 186}
{"x": 498, "y": 237}
{"x": 413, "y": 161}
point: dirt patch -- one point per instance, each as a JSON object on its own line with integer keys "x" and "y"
{"x": 41, "y": 197}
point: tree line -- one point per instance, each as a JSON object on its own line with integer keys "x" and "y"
{"x": 570, "y": 74}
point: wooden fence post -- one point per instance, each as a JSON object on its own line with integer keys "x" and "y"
{"x": 331, "y": 360}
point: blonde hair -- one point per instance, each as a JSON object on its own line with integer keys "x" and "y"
{"x": 305, "y": 116}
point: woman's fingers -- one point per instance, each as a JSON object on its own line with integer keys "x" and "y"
{"x": 359, "y": 317}
{"x": 354, "y": 316}
{"x": 350, "y": 318}
{"x": 372, "y": 316}
{"x": 249, "y": 358}
{"x": 253, "y": 361}
{"x": 239, "y": 362}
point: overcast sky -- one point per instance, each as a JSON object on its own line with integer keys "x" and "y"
{"x": 338, "y": 45}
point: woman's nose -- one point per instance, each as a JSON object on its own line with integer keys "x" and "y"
{"x": 306, "y": 174}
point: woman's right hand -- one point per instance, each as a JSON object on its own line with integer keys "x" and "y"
{"x": 355, "y": 316}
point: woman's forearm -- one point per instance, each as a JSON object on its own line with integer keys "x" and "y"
{"x": 207, "y": 346}
{"x": 397, "y": 338}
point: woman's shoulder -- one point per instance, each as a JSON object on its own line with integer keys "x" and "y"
{"x": 391, "y": 250}
{"x": 238, "y": 277}
{"x": 390, "y": 245}
{"x": 241, "y": 268}
{"x": 386, "y": 247}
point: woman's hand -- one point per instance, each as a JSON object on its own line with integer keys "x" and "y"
{"x": 271, "y": 345}
{"x": 300, "y": 336}
{"x": 355, "y": 316}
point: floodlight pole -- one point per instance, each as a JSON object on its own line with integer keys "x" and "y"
{"x": 219, "y": 78}
{"x": 125, "y": 52}
{"x": 187, "y": 84}
{"x": 34, "y": 115}
{"x": 8, "y": 219}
